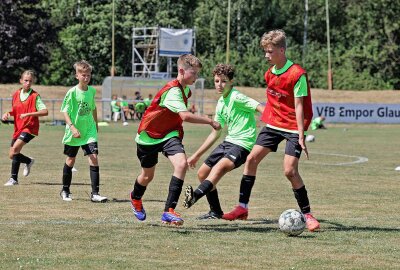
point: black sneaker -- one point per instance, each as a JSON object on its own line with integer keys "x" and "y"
{"x": 210, "y": 215}
{"x": 189, "y": 199}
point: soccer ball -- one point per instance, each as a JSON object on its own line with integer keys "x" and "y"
{"x": 310, "y": 138}
{"x": 292, "y": 222}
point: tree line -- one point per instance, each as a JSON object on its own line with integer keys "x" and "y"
{"x": 49, "y": 36}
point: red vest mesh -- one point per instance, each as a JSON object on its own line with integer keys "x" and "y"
{"x": 29, "y": 124}
{"x": 159, "y": 121}
{"x": 280, "y": 108}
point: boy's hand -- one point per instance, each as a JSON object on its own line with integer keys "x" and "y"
{"x": 23, "y": 115}
{"x": 191, "y": 161}
{"x": 75, "y": 132}
{"x": 215, "y": 125}
{"x": 303, "y": 146}
{"x": 5, "y": 116}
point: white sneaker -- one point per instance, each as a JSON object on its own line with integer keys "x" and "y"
{"x": 27, "y": 168}
{"x": 11, "y": 182}
{"x": 66, "y": 196}
{"x": 125, "y": 123}
{"x": 98, "y": 198}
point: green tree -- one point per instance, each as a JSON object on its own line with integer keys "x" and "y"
{"x": 23, "y": 24}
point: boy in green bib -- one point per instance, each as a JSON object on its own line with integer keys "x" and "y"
{"x": 80, "y": 113}
{"x": 236, "y": 111}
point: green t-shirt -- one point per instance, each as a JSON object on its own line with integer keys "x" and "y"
{"x": 173, "y": 100}
{"x": 300, "y": 88}
{"x": 316, "y": 123}
{"x": 80, "y": 105}
{"x": 39, "y": 103}
{"x": 237, "y": 111}
{"x": 114, "y": 106}
{"x": 147, "y": 102}
{"x": 140, "y": 107}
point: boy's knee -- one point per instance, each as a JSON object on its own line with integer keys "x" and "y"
{"x": 181, "y": 165}
{"x": 12, "y": 153}
{"x": 290, "y": 173}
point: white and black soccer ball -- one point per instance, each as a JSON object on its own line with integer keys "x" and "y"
{"x": 310, "y": 138}
{"x": 292, "y": 222}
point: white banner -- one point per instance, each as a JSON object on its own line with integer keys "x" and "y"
{"x": 358, "y": 113}
{"x": 175, "y": 42}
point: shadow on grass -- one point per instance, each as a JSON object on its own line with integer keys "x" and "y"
{"x": 116, "y": 200}
{"x": 335, "y": 226}
{"x": 253, "y": 226}
{"x": 59, "y": 184}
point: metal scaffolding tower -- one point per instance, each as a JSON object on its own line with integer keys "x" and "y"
{"x": 145, "y": 51}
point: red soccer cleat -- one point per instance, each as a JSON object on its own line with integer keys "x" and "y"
{"x": 237, "y": 213}
{"x": 311, "y": 222}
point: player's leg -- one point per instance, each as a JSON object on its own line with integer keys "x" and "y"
{"x": 17, "y": 158}
{"x": 91, "y": 151}
{"x": 217, "y": 172}
{"x": 70, "y": 152}
{"x": 291, "y": 171}
{"x": 267, "y": 141}
{"x": 148, "y": 157}
{"x": 173, "y": 149}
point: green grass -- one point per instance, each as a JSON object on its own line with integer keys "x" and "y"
{"x": 357, "y": 205}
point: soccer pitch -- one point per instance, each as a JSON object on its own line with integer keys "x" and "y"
{"x": 350, "y": 177}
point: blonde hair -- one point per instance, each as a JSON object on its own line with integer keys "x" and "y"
{"x": 82, "y": 66}
{"x": 29, "y": 72}
{"x": 276, "y": 38}
{"x": 187, "y": 61}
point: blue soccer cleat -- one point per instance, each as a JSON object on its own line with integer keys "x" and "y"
{"x": 171, "y": 217}
{"x": 137, "y": 209}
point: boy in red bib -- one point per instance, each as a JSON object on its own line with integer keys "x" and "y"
{"x": 27, "y": 106}
{"x": 161, "y": 130}
{"x": 288, "y": 114}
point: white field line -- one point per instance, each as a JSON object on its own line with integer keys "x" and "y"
{"x": 357, "y": 160}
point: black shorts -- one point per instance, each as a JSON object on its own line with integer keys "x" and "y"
{"x": 148, "y": 154}
{"x": 233, "y": 152}
{"x": 88, "y": 149}
{"x": 270, "y": 138}
{"x": 25, "y": 137}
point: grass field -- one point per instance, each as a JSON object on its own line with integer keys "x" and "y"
{"x": 357, "y": 204}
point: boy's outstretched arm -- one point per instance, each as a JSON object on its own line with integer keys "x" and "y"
{"x": 211, "y": 139}
{"x": 197, "y": 119}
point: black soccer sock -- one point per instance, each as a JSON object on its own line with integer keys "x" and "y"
{"x": 213, "y": 201}
{"x": 302, "y": 199}
{"x": 246, "y": 186}
{"x": 175, "y": 189}
{"x": 67, "y": 178}
{"x": 15, "y": 167}
{"x": 204, "y": 188}
{"x": 95, "y": 179}
{"x": 138, "y": 191}
{"x": 23, "y": 159}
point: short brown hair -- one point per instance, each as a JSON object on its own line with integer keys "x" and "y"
{"x": 187, "y": 61}
{"x": 82, "y": 66}
{"x": 276, "y": 38}
{"x": 224, "y": 69}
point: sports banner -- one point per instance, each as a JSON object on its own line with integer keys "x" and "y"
{"x": 358, "y": 113}
{"x": 175, "y": 42}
